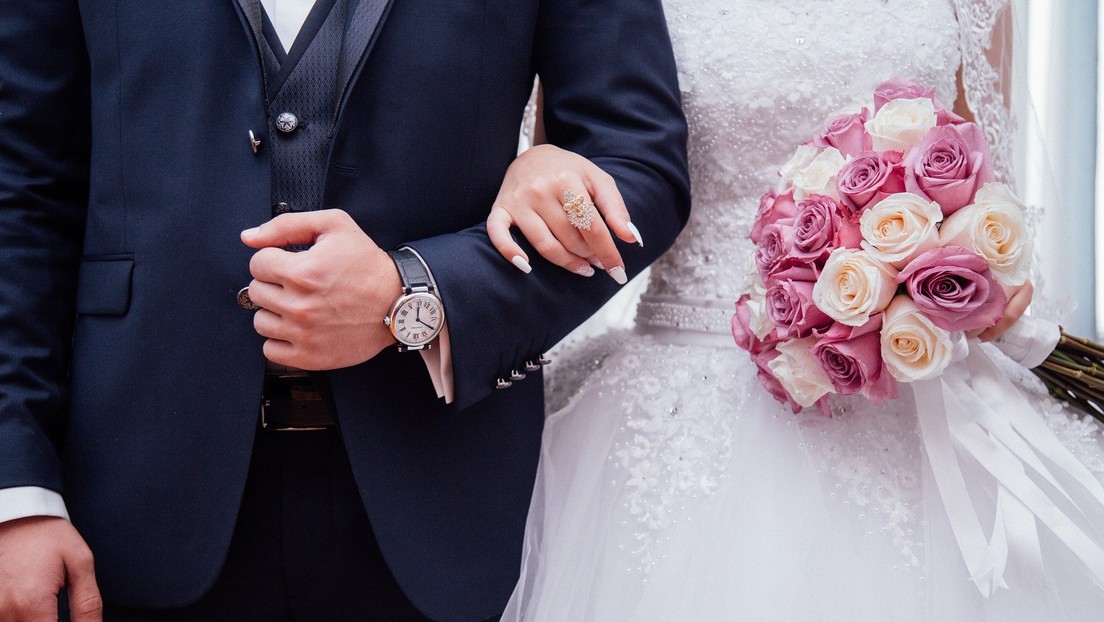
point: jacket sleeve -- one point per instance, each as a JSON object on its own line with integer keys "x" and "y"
{"x": 44, "y": 161}
{"x": 611, "y": 94}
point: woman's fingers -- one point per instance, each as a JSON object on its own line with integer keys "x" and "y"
{"x": 612, "y": 206}
{"x": 536, "y": 230}
{"x": 1018, "y": 301}
{"x": 498, "y": 229}
{"x": 600, "y": 241}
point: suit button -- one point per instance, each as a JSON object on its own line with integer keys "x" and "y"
{"x": 286, "y": 122}
{"x": 280, "y": 208}
{"x": 244, "y": 301}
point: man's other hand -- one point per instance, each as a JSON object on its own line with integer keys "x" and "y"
{"x": 39, "y": 555}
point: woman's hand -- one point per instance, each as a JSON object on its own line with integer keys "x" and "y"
{"x": 1018, "y": 300}
{"x": 532, "y": 199}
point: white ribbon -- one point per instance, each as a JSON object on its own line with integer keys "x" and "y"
{"x": 973, "y": 413}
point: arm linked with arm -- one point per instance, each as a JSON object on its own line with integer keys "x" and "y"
{"x": 610, "y": 94}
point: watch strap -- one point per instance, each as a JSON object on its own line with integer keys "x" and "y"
{"x": 412, "y": 272}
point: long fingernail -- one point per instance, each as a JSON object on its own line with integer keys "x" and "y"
{"x": 618, "y": 274}
{"x": 521, "y": 264}
{"x": 636, "y": 233}
{"x": 584, "y": 270}
{"x": 596, "y": 264}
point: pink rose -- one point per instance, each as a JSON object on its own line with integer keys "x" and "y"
{"x": 773, "y": 208}
{"x": 822, "y": 226}
{"x": 742, "y": 330}
{"x": 898, "y": 88}
{"x": 852, "y": 359}
{"x": 847, "y": 133}
{"x": 789, "y": 305}
{"x": 773, "y": 247}
{"x": 869, "y": 178}
{"x": 949, "y": 166}
{"x": 769, "y": 382}
{"x": 954, "y": 288}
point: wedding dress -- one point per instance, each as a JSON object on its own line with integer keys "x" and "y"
{"x": 671, "y": 485}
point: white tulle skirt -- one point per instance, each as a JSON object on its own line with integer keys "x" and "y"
{"x": 672, "y": 487}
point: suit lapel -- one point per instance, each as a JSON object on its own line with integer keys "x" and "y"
{"x": 360, "y": 35}
{"x": 250, "y": 13}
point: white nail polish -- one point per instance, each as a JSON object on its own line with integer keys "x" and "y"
{"x": 636, "y": 233}
{"x": 521, "y": 264}
{"x": 584, "y": 270}
{"x": 618, "y": 274}
{"x": 597, "y": 264}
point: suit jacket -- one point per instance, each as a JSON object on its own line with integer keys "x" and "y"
{"x": 129, "y": 376}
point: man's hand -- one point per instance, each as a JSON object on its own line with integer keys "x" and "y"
{"x": 321, "y": 308}
{"x": 39, "y": 555}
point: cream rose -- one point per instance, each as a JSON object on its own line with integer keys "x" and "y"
{"x": 901, "y": 124}
{"x": 853, "y": 286}
{"x": 993, "y": 227}
{"x": 804, "y": 155}
{"x": 819, "y": 176}
{"x": 760, "y": 324}
{"x": 900, "y": 227}
{"x": 799, "y": 373}
{"x": 912, "y": 347}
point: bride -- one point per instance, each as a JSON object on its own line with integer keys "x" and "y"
{"x": 671, "y": 485}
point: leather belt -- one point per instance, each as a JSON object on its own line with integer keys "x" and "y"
{"x": 293, "y": 404}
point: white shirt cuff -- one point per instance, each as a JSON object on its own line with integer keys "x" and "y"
{"x": 438, "y": 361}
{"x": 24, "y": 501}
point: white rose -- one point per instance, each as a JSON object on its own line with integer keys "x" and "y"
{"x": 819, "y": 175}
{"x": 760, "y": 324}
{"x": 799, "y": 373}
{"x": 912, "y": 347}
{"x": 801, "y": 158}
{"x": 853, "y": 286}
{"x": 993, "y": 227}
{"x": 901, "y": 124}
{"x": 900, "y": 227}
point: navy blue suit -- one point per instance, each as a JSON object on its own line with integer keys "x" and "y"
{"x": 129, "y": 376}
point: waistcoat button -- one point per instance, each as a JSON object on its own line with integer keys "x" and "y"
{"x": 287, "y": 122}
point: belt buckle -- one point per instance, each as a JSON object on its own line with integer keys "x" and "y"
{"x": 265, "y": 404}
{"x": 295, "y": 393}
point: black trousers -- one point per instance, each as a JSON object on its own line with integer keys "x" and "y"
{"x": 302, "y": 549}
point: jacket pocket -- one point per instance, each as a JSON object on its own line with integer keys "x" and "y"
{"x": 104, "y": 286}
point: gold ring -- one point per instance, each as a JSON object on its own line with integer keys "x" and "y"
{"x": 580, "y": 212}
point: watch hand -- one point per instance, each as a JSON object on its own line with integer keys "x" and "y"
{"x": 424, "y": 324}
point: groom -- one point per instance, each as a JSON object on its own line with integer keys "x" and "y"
{"x": 138, "y": 140}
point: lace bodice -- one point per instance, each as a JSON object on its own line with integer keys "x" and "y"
{"x": 758, "y": 78}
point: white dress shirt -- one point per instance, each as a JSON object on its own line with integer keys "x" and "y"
{"x": 287, "y": 16}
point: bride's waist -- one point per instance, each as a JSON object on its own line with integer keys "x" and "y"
{"x": 698, "y": 321}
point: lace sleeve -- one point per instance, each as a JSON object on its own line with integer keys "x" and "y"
{"x": 987, "y": 34}
{"x": 985, "y": 31}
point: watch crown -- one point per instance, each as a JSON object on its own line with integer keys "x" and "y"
{"x": 387, "y": 321}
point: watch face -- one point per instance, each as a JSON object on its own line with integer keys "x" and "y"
{"x": 417, "y": 319}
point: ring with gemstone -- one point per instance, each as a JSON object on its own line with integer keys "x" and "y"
{"x": 580, "y": 212}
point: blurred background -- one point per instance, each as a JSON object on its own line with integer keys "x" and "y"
{"x": 1058, "y": 56}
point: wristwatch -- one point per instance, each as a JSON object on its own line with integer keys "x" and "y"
{"x": 418, "y": 315}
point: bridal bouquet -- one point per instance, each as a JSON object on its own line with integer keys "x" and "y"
{"x": 884, "y": 242}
